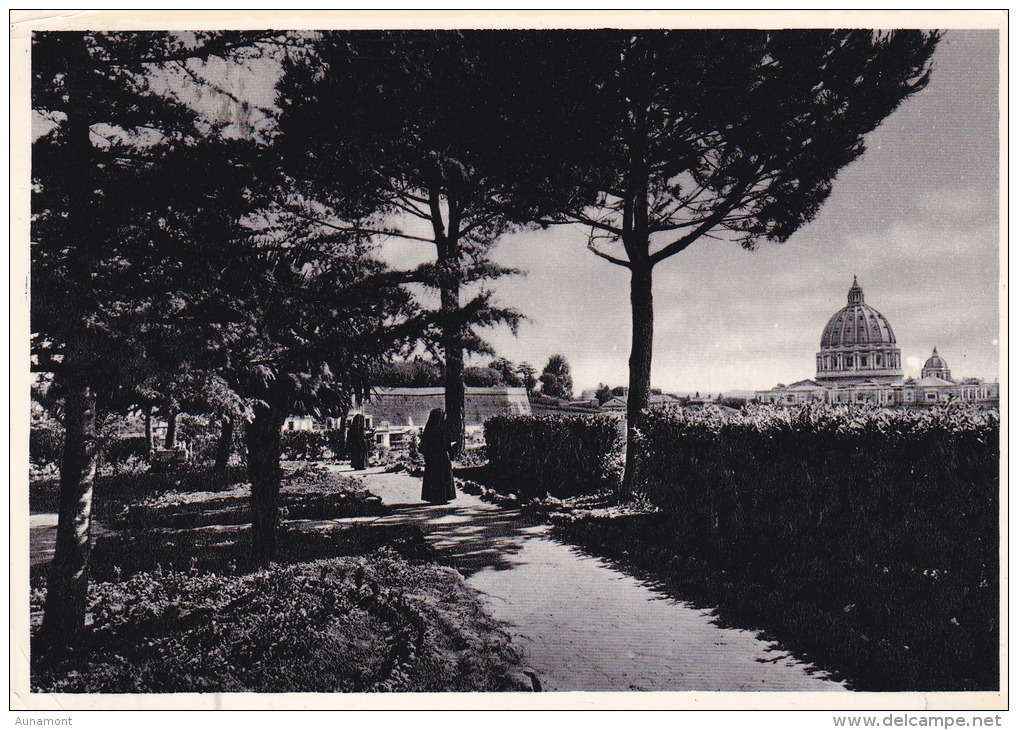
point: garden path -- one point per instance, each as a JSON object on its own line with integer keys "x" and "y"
{"x": 583, "y": 624}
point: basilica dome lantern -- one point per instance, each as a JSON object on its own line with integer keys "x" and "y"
{"x": 858, "y": 345}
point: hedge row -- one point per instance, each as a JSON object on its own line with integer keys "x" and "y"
{"x": 887, "y": 519}
{"x": 313, "y": 445}
{"x": 46, "y": 448}
{"x": 564, "y": 456}
{"x": 46, "y": 445}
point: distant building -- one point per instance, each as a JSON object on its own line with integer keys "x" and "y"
{"x": 303, "y": 423}
{"x": 397, "y": 414}
{"x": 619, "y": 404}
{"x": 859, "y": 363}
{"x": 411, "y": 406}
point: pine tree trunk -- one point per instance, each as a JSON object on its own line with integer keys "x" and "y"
{"x": 263, "y": 437}
{"x": 452, "y": 338}
{"x": 171, "y": 430}
{"x": 225, "y": 445}
{"x": 642, "y": 300}
{"x": 148, "y": 428}
{"x": 67, "y": 581}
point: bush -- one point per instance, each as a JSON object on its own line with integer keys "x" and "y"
{"x": 45, "y": 446}
{"x": 202, "y": 434}
{"x": 415, "y": 374}
{"x": 533, "y": 456}
{"x": 348, "y": 624}
{"x": 123, "y": 449}
{"x": 885, "y": 520}
{"x": 335, "y": 442}
{"x": 303, "y": 445}
{"x": 481, "y": 377}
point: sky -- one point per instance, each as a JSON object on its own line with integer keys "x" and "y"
{"x": 916, "y": 219}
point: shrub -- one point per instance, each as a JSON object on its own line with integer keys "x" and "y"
{"x": 335, "y": 442}
{"x": 45, "y": 446}
{"x": 481, "y": 377}
{"x": 202, "y": 434}
{"x": 123, "y": 449}
{"x": 564, "y": 456}
{"x": 303, "y": 445}
{"x": 415, "y": 374}
{"x": 885, "y": 520}
{"x": 348, "y": 624}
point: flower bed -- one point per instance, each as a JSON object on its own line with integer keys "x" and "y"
{"x": 175, "y": 605}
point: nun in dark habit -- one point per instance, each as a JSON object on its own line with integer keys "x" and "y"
{"x": 357, "y": 444}
{"x": 437, "y": 450}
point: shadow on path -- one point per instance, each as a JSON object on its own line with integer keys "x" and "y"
{"x": 469, "y": 534}
{"x": 584, "y": 624}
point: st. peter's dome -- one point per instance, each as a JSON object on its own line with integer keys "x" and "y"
{"x": 858, "y": 344}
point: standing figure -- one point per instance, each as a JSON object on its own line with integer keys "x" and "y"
{"x": 357, "y": 443}
{"x": 437, "y": 450}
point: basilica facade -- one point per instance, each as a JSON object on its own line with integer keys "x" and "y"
{"x": 859, "y": 363}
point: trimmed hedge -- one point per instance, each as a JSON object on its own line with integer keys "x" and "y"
{"x": 303, "y": 445}
{"x": 46, "y": 448}
{"x": 887, "y": 520}
{"x": 533, "y": 456}
{"x": 313, "y": 445}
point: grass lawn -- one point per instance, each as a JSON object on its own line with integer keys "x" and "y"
{"x": 174, "y": 606}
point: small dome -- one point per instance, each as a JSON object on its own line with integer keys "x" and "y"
{"x": 857, "y": 324}
{"x": 935, "y": 367}
{"x": 935, "y": 362}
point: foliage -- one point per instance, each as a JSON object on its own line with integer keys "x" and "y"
{"x": 528, "y": 376}
{"x": 111, "y": 265}
{"x": 168, "y": 528}
{"x": 482, "y": 377}
{"x": 416, "y": 135}
{"x": 550, "y": 386}
{"x": 533, "y": 456}
{"x": 722, "y": 135}
{"x": 557, "y": 378}
{"x": 303, "y": 445}
{"x": 335, "y": 442}
{"x": 413, "y": 374}
{"x": 879, "y": 527}
{"x": 739, "y": 132}
{"x": 355, "y": 624}
{"x": 45, "y": 445}
{"x": 202, "y": 434}
{"x": 508, "y": 371}
{"x": 131, "y": 192}
{"x": 125, "y": 448}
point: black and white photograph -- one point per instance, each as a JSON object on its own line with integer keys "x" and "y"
{"x": 633, "y": 359}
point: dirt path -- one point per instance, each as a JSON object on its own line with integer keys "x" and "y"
{"x": 583, "y": 624}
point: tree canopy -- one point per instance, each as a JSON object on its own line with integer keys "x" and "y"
{"x": 449, "y": 138}
{"x": 724, "y": 135}
{"x": 122, "y": 177}
{"x": 557, "y": 378}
